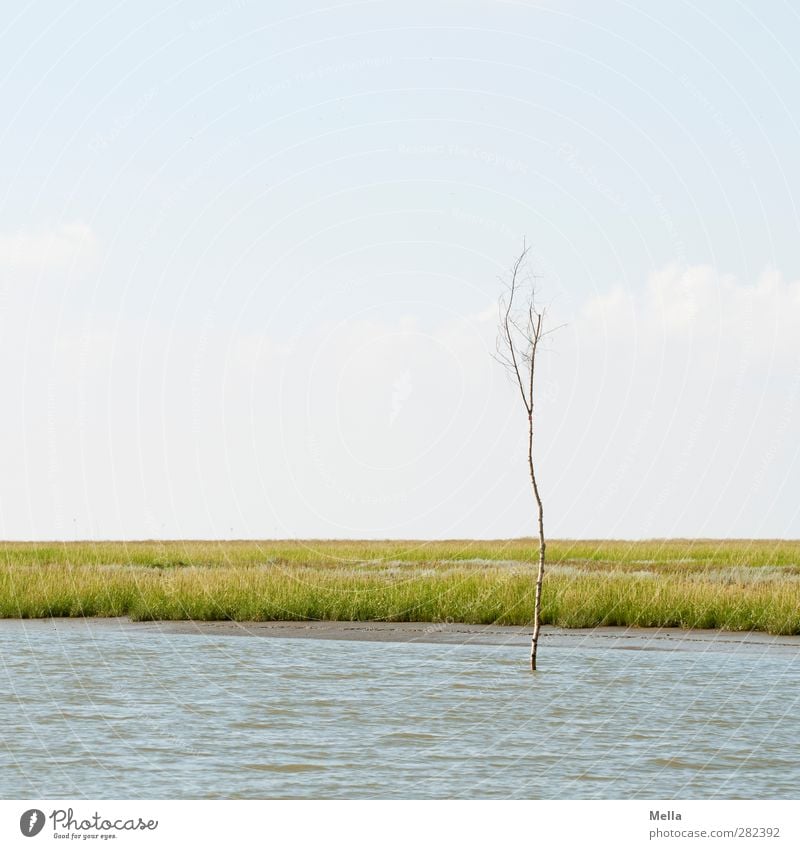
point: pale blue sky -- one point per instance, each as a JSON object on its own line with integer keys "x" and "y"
{"x": 249, "y": 252}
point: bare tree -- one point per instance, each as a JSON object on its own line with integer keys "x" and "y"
{"x": 521, "y": 330}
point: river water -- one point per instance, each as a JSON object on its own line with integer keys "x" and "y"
{"x": 98, "y": 710}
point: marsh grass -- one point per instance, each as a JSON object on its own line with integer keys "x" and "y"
{"x": 736, "y": 585}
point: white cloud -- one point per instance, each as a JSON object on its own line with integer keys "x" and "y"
{"x": 70, "y": 247}
{"x": 680, "y": 399}
{"x": 701, "y": 307}
{"x": 671, "y": 410}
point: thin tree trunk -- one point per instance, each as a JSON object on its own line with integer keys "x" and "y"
{"x": 537, "y": 605}
{"x": 517, "y": 342}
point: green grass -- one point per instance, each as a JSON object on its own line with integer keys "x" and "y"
{"x": 739, "y": 585}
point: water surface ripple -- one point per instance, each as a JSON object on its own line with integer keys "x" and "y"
{"x": 93, "y": 711}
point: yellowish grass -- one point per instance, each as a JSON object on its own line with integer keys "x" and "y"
{"x": 737, "y": 585}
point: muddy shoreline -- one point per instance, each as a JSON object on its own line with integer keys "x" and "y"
{"x": 450, "y": 633}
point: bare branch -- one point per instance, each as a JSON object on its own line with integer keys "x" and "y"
{"x": 506, "y": 324}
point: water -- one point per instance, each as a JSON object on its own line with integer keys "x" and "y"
{"x": 99, "y": 710}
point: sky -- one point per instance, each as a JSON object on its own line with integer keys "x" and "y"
{"x": 250, "y": 258}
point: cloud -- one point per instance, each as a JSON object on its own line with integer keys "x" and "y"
{"x": 675, "y": 410}
{"x": 70, "y": 247}
{"x": 699, "y": 308}
{"x": 668, "y": 410}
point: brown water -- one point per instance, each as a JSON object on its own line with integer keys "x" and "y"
{"x": 93, "y": 710}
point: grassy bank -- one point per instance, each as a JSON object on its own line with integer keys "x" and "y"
{"x": 737, "y": 585}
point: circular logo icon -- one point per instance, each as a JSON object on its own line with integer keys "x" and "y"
{"x": 31, "y": 822}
